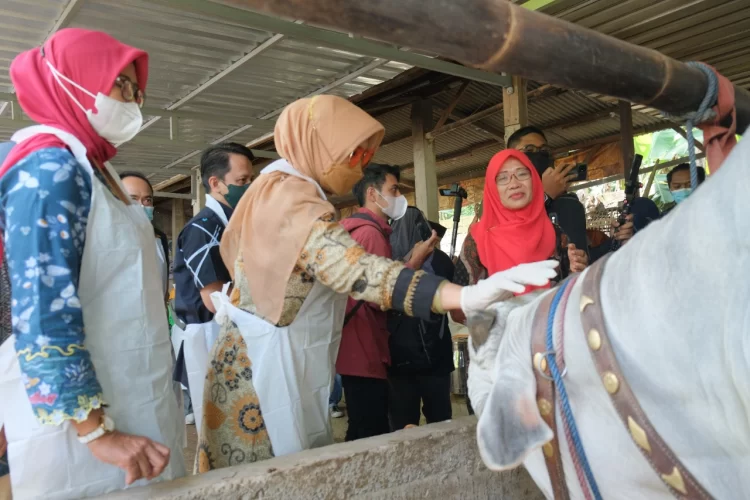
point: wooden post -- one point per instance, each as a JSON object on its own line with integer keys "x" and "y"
{"x": 425, "y": 175}
{"x": 515, "y": 106}
{"x": 626, "y": 136}
{"x": 178, "y": 222}
{"x": 197, "y": 192}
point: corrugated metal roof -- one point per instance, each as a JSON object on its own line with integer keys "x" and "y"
{"x": 187, "y": 50}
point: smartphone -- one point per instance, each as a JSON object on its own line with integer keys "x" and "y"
{"x": 580, "y": 172}
{"x": 425, "y": 232}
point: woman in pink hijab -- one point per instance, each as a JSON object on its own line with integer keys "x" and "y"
{"x": 87, "y": 401}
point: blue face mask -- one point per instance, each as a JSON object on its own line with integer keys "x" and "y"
{"x": 149, "y": 212}
{"x": 681, "y": 195}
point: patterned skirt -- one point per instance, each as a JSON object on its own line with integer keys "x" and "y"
{"x": 233, "y": 431}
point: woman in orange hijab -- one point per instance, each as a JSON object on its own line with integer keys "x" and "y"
{"x": 514, "y": 228}
{"x": 271, "y": 370}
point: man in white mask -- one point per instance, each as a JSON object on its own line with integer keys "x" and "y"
{"x": 364, "y": 355}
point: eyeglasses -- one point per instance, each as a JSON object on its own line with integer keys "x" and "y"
{"x": 130, "y": 90}
{"x": 530, "y": 148}
{"x": 522, "y": 174}
{"x": 365, "y": 155}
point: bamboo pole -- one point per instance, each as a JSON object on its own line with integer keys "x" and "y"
{"x": 498, "y": 36}
{"x": 650, "y": 180}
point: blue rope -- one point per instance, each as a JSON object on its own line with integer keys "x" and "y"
{"x": 567, "y": 413}
{"x": 703, "y": 113}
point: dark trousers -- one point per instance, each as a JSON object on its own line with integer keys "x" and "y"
{"x": 408, "y": 391}
{"x": 366, "y": 406}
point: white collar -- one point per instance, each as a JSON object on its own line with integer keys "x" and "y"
{"x": 214, "y": 205}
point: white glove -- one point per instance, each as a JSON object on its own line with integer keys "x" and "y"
{"x": 502, "y": 285}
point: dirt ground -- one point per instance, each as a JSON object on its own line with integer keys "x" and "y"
{"x": 339, "y": 429}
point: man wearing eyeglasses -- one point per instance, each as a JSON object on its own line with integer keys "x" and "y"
{"x": 562, "y": 206}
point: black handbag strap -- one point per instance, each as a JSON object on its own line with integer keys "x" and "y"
{"x": 354, "y": 310}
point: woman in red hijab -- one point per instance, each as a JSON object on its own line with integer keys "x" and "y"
{"x": 514, "y": 228}
{"x": 88, "y": 320}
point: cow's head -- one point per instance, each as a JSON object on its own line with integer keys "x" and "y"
{"x": 502, "y": 387}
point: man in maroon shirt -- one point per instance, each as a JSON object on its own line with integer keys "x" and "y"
{"x": 364, "y": 356}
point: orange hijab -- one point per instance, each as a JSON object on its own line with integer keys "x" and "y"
{"x": 505, "y": 237}
{"x": 273, "y": 219}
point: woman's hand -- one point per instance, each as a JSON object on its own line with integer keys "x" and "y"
{"x": 499, "y": 286}
{"x": 578, "y": 259}
{"x": 138, "y": 456}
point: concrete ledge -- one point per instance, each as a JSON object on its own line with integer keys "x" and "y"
{"x": 429, "y": 462}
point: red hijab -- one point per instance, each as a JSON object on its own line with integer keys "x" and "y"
{"x": 93, "y": 60}
{"x": 505, "y": 237}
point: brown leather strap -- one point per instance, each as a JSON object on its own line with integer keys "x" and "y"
{"x": 545, "y": 398}
{"x": 675, "y": 476}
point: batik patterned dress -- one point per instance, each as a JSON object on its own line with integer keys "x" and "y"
{"x": 233, "y": 431}
{"x": 5, "y": 331}
{"x": 44, "y": 206}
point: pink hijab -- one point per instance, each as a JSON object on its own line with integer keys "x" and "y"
{"x": 93, "y": 60}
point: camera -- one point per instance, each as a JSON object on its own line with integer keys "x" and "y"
{"x": 455, "y": 190}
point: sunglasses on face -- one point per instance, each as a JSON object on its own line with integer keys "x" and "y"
{"x": 130, "y": 90}
{"x": 365, "y": 155}
{"x": 503, "y": 178}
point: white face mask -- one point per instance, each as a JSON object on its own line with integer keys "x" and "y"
{"x": 396, "y": 206}
{"x": 115, "y": 121}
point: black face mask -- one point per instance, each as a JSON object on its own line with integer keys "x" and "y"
{"x": 542, "y": 160}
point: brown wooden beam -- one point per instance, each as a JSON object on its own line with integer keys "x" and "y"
{"x": 565, "y": 123}
{"x": 504, "y": 37}
{"x": 515, "y": 107}
{"x": 536, "y": 94}
{"x": 457, "y": 155}
{"x": 610, "y": 138}
{"x": 491, "y": 130}
{"x": 425, "y": 175}
{"x": 448, "y": 110}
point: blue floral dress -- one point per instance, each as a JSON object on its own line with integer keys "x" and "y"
{"x": 44, "y": 206}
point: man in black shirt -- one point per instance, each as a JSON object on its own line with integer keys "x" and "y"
{"x": 226, "y": 172}
{"x": 568, "y": 211}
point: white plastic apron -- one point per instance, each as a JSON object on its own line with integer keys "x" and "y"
{"x": 127, "y": 336}
{"x": 197, "y": 340}
{"x": 293, "y": 366}
{"x": 162, "y": 261}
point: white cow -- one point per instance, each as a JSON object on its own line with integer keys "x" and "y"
{"x": 676, "y": 302}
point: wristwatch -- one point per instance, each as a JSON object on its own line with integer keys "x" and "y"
{"x": 547, "y": 200}
{"x": 106, "y": 425}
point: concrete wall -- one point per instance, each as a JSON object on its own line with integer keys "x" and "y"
{"x": 439, "y": 461}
